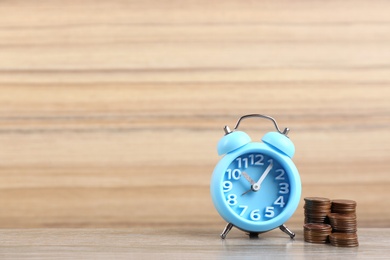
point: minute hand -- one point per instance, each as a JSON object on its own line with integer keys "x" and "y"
{"x": 257, "y": 185}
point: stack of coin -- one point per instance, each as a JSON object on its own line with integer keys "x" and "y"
{"x": 344, "y": 239}
{"x": 316, "y": 209}
{"x": 341, "y": 214}
{"x": 344, "y": 206}
{"x": 343, "y": 223}
{"x": 316, "y": 233}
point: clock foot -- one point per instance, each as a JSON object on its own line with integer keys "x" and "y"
{"x": 228, "y": 227}
{"x": 253, "y": 235}
{"x": 287, "y": 231}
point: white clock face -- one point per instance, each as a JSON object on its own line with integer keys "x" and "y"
{"x": 256, "y": 187}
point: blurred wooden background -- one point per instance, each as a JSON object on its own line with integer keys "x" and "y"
{"x": 110, "y": 111}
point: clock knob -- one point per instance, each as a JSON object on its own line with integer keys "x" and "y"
{"x": 279, "y": 142}
{"x": 232, "y": 141}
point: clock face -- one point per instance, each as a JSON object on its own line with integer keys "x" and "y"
{"x": 256, "y": 187}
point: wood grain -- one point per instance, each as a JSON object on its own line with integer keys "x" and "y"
{"x": 110, "y": 111}
{"x": 199, "y": 243}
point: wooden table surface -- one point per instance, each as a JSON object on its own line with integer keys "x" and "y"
{"x": 110, "y": 111}
{"x": 183, "y": 243}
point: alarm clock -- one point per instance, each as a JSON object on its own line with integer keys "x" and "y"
{"x": 255, "y": 187}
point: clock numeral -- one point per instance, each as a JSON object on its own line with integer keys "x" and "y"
{"x": 256, "y": 159}
{"x": 232, "y": 199}
{"x": 284, "y": 188}
{"x": 227, "y": 186}
{"x": 269, "y": 212}
{"x": 280, "y": 177}
{"x": 255, "y": 214}
{"x": 244, "y": 208}
{"x": 233, "y": 174}
{"x": 279, "y": 201}
{"x": 242, "y": 162}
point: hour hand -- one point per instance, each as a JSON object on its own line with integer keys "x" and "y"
{"x": 248, "y": 178}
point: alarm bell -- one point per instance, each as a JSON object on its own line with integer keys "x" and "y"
{"x": 279, "y": 142}
{"x": 232, "y": 141}
{"x": 236, "y": 139}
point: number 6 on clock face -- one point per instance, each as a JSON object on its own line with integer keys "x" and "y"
{"x": 240, "y": 178}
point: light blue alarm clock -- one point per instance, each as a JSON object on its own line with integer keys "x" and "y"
{"x": 256, "y": 187}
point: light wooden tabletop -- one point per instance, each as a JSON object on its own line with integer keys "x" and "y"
{"x": 110, "y": 111}
{"x": 179, "y": 243}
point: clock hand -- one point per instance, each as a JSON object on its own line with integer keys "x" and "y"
{"x": 256, "y": 186}
{"x": 248, "y": 178}
{"x": 246, "y": 192}
{"x": 252, "y": 182}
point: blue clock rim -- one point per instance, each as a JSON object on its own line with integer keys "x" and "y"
{"x": 226, "y": 211}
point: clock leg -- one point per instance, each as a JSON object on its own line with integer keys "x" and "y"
{"x": 228, "y": 227}
{"x": 287, "y": 231}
